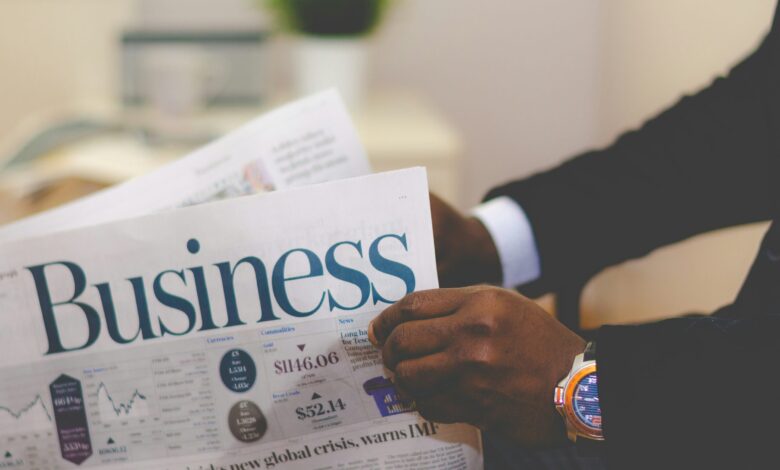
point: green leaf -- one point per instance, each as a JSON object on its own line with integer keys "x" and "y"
{"x": 329, "y": 17}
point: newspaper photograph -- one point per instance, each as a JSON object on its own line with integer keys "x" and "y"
{"x": 228, "y": 335}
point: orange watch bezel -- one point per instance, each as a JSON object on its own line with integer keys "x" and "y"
{"x": 568, "y": 408}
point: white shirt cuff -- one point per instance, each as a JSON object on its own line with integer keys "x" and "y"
{"x": 511, "y": 231}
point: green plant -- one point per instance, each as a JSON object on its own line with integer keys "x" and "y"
{"x": 329, "y": 17}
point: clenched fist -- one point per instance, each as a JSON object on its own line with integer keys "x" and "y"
{"x": 481, "y": 355}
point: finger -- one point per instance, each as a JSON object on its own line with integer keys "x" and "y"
{"x": 426, "y": 375}
{"x": 416, "y": 339}
{"x": 415, "y": 306}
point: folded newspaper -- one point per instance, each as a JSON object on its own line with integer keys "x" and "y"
{"x": 228, "y": 335}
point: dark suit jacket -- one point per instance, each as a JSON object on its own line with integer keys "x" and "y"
{"x": 685, "y": 392}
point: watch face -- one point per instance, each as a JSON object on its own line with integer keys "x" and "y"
{"x": 585, "y": 401}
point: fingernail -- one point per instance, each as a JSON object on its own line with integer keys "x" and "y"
{"x": 371, "y": 336}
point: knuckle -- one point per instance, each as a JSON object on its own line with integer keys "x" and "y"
{"x": 389, "y": 362}
{"x": 388, "y": 357}
{"x": 410, "y": 304}
{"x": 480, "y": 356}
{"x": 483, "y": 298}
{"x": 404, "y": 374}
{"x": 492, "y": 295}
{"x": 477, "y": 290}
{"x": 380, "y": 325}
{"x": 484, "y": 325}
{"x": 398, "y": 340}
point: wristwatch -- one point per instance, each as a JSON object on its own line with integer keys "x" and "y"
{"x": 577, "y": 400}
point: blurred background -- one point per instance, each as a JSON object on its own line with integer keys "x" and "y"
{"x": 93, "y": 92}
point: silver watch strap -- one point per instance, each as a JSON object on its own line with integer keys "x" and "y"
{"x": 590, "y": 351}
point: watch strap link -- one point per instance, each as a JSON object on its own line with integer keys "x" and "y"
{"x": 590, "y": 351}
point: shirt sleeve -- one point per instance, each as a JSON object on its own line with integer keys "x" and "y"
{"x": 511, "y": 231}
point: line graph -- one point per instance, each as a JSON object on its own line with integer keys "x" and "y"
{"x": 34, "y": 415}
{"x": 112, "y": 409}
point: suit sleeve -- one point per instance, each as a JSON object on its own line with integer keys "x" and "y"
{"x": 701, "y": 165}
{"x": 691, "y": 392}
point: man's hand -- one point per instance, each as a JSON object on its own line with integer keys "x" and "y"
{"x": 481, "y": 355}
{"x": 465, "y": 252}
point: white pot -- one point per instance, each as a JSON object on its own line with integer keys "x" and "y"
{"x": 322, "y": 63}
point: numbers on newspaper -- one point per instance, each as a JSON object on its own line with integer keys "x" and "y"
{"x": 320, "y": 409}
{"x": 238, "y": 370}
{"x": 247, "y": 423}
{"x": 306, "y": 363}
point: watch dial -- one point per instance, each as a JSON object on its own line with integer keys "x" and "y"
{"x": 586, "y": 401}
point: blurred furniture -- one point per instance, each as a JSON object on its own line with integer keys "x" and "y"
{"x": 179, "y": 70}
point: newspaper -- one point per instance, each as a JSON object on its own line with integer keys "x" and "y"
{"x": 227, "y": 335}
{"x": 309, "y": 141}
{"x": 191, "y": 339}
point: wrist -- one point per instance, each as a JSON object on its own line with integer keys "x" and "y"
{"x": 482, "y": 252}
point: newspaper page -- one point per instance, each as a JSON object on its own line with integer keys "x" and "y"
{"x": 309, "y": 141}
{"x": 229, "y": 335}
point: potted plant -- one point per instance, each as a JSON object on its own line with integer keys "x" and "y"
{"x": 330, "y": 48}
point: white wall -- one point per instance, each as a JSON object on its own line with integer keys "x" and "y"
{"x": 518, "y": 78}
{"x": 200, "y": 14}
{"x": 527, "y": 82}
{"x": 56, "y": 52}
{"x": 654, "y": 51}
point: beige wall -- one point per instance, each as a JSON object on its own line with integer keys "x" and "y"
{"x": 518, "y": 78}
{"x": 655, "y": 51}
{"x": 56, "y": 52}
{"x": 527, "y": 82}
